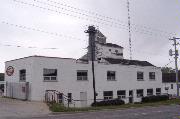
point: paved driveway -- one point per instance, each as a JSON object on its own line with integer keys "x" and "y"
{"x": 17, "y": 108}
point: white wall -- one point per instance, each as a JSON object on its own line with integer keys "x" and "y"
{"x": 171, "y": 91}
{"x": 103, "y": 51}
{"x": 24, "y": 63}
{"x": 126, "y": 78}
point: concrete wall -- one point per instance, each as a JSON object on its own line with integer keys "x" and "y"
{"x": 126, "y": 78}
{"x": 103, "y": 51}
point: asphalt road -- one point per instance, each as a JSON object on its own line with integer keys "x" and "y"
{"x": 162, "y": 112}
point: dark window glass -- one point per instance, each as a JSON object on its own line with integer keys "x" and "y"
{"x": 149, "y": 92}
{"x": 152, "y": 75}
{"x": 171, "y": 86}
{"x": 70, "y": 97}
{"x": 139, "y": 92}
{"x": 22, "y": 75}
{"x": 140, "y": 75}
{"x": 50, "y": 74}
{"x": 121, "y": 94}
{"x": 111, "y": 75}
{"x": 158, "y": 91}
{"x": 82, "y": 75}
{"x": 108, "y": 95}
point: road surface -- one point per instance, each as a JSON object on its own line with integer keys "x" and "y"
{"x": 162, "y": 112}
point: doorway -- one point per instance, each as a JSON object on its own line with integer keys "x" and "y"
{"x": 83, "y": 98}
{"x": 131, "y": 96}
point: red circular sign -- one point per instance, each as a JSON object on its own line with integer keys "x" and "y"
{"x": 10, "y": 71}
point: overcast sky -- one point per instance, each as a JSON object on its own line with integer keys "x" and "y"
{"x": 61, "y": 24}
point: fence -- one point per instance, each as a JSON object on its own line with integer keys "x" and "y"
{"x": 17, "y": 90}
{"x": 58, "y": 97}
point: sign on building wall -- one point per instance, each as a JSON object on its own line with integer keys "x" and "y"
{"x": 10, "y": 71}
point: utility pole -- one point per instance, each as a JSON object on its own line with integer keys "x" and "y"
{"x": 176, "y": 56}
{"x": 91, "y": 53}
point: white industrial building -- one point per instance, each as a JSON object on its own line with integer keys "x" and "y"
{"x": 169, "y": 83}
{"x": 115, "y": 77}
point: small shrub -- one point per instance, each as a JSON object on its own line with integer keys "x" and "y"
{"x": 55, "y": 107}
{"x": 155, "y": 98}
{"x": 109, "y": 102}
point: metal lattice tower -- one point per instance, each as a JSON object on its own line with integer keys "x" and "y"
{"x": 129, "y": 29}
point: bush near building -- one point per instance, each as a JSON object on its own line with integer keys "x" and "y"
{"x": 155, "y": 98}
{"x": 109, "y": 102}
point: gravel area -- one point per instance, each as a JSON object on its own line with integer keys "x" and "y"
{"x": 18, "y": 108}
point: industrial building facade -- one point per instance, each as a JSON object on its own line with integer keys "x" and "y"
{"x": 115, "y": 77}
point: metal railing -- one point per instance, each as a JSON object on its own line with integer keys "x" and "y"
{"x": 55, "y": 96}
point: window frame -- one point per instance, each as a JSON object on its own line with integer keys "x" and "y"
{"x": 172, "y": 86}
{"x": 121, "y": 96}
{"x": 111, "y": 78}
{"x": 69, "y": 95}
{"x": 22, "y": 76}
{"x": 139, "y": 95}
{"x": 51, "y": 77}
{"x": 140, "y": 78}
{"x": 158, "y": 93}
{"x": 150, "y": 93}
{"x": 82, "y": 78}
{"x": 152, "y": 77}
{"x": 108, "y": 97}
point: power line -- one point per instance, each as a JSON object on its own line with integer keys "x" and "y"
{"x": 110, "y": 18}
{"x": 168, "y": 64}
{"x": 40, "y": 30}
{"x": 87, "y": 19}
{"x": 29, "y": 47}
{"x": 80, "y": 13}
{"x": 71, "y": 15}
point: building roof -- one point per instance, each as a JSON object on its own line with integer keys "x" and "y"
{"x": 1, "y": 76}
{"x": 111, "y": 45}
{"x": 170, "y": 77}
{"x": 40, "y": 57}
{"x": 128, "y": 62}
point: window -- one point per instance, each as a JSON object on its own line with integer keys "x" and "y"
{"x": 171, "y": 86}
{"x": 110, "y": 50}
{"x": 139, "y": 92}
{"x": 116, "y": 51}
{"x": 149, "y": 92}
{"x": 22, "y": 75}
{"x": 108, "y": 95}
{"x": 158, "y": 91}
{"x": 82, "y": 75}
{"x": 50, "y": 74}
{"x": 140, "y": 76}
{"x": 121, "y": 94}
{"x": 70, "y": 97}
{"x": 60, "y": 97}
{"x": 111, "y": 75}
{"x": 152, "y": 75}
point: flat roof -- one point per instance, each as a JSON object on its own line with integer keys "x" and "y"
{"x": 41, "y": 57}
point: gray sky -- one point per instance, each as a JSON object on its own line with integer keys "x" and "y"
{"x": 153, "y": 23}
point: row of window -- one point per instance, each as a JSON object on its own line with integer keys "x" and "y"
{"x": 51, "y": 75}
{"x": 122, "y": 93}
{"x": 140, "y": 75}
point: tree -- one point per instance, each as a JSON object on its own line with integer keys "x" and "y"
{"x": 167, "y": 70}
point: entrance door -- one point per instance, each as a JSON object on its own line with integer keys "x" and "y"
{"x": 83, "y": 98}
{"x": 130, "y": 96}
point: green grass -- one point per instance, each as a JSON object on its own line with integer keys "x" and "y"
{"x": 60, "y": 108}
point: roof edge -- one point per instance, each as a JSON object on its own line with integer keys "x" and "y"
{"x": 39, "y": 57}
